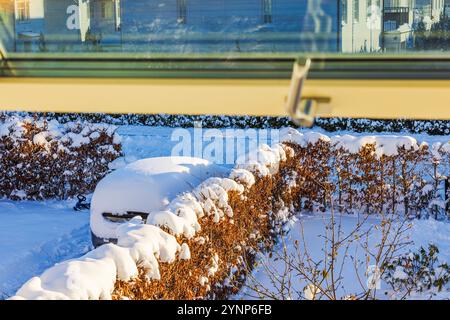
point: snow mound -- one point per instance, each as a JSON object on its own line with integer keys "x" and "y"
{"x": 243, "y": 176}
{"x": 93, "y": 275}
{"x": 291, "y": 135}
{"x": 148, "y": 186}
{"x": 263, "y": 161}
{"x": 384, "y": 145}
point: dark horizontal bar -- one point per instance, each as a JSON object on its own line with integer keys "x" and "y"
{"x": 130, "y": 215}
{"x": 322, "y": 68}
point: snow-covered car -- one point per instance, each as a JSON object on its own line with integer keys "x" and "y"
{"x": 143, "y": 187}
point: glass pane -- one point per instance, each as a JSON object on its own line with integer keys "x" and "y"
{"x": 224, "y": 27}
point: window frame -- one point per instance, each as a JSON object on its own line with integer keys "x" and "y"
{"x": 118, "y": 14}
{"x": 363, "y": 85}
{"x": 251, "y": 66}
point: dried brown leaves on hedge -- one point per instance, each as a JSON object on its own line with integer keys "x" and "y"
{"x": 313, "y": 177}
{"x": 46, "y": 160}
{"x": 410, "y": 182}
{"x": 234, "y": 241}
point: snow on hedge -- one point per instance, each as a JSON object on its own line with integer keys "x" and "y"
{"x": 384, "y": 145}
{"x": 93, "y": 275}
{"x": 432, "y": 127}
{"x": 387, "y": 145}
{"x": 264, "y": 161}
{"x": 148, "y": 186}
{"x": 47, "y": 159}
{"x": 302, "y": 139}
{"x": 67, "y": 136}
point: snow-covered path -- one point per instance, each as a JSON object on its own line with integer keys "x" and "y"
{"x": 36, "y": 235}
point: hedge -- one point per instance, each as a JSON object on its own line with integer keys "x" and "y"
{"x": 42, "y": 159}
{"x": 238, "y": 216}
{"x": 431, "y": 127}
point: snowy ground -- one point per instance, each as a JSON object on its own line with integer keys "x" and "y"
{"x": 36, "y": 235}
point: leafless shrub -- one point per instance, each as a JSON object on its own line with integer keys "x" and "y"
{"x": 300, "y": 273}
{"x": 395, "y": 187}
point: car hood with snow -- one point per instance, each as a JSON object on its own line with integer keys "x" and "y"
{"x": 145, "y": 186}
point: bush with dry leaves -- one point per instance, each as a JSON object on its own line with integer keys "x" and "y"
{"x": 46, "y": 160}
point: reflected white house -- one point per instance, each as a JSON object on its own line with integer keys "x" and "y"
{"x": 44, "y": 24}
{"x": 401, "y": 17}
{"x": 361, "y": 25}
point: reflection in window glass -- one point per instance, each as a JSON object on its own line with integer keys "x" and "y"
{"x": 23, "y": 10}
{"x": 344, "y": 9}
{"x": 267, "y": 11}
{"x": 182, "y": 11}
{"x": 106, "y": 9}
{"x": 223, "y": 27}
{"x": 118, "y": 14}
{"x": 355, "y": 11}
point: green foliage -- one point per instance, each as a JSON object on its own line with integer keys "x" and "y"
{"x": 418, "y": 271}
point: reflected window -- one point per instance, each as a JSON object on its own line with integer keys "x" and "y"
{"x": 23, "y": 10}
{"x": 344, "y": 11}
{"x": 118, "y": 15}
{"x": 267, "y": 11}
{"x": 181, "y": 11}
{"x": 375, "y": 3}
{"x": 107, "y": 9}
{"x": 355, "y": 11}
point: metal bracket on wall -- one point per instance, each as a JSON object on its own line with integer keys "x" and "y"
{"x": 302, "y": 109}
